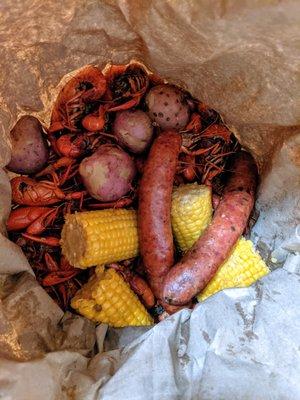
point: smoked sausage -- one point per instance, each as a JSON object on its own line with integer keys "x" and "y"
{"x": 189, "y": 276}
{"x": 154, "y": 211}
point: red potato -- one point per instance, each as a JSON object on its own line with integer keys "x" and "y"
{"x": 154, "y": 212}
{"x": 108, "y": 173}
{"x": 133, "y": 129}
{"x": 167, "y": 106}
{"x": 29, "y": 148}
{"x": 188, "y": 277}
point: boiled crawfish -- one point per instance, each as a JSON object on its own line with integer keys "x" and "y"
{"x": 58, "y": 273}
{"x": 209, "y": 149}
{"x": 88, "y": 85}
{"x": 34, "y": 219}
{"x": 137, "y": 284}
{"x": 131, "y": 83}
{"x": 126, "y": 86}
{"x": 96, "y": 121}
{"x": 29, "y": 192}
{"x": 76, "y": 145}
{"x": 67, "y": 163}
{"x": 60, "y": 280}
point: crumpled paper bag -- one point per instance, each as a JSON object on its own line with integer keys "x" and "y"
{"x": 241, "y": 59}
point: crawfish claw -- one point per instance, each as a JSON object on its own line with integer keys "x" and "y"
{"x": 54, "y": 278}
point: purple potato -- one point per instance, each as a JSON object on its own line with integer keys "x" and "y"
{"x": 29, "y": 147}
{"x": 133, "y": 129}
{"x": 107, "y": 174}
{"x": 168, "y": 107}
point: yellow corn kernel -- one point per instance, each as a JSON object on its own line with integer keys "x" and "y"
{"x": 191, "y": 213}
{"x": 99, "y": 237}
{"x": 107, "y": 298}
{"x": 243, "y": 267}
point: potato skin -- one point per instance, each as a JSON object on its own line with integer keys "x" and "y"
{"x": 29, "y": 147}
{"x": 154, "y": 212}
{"x": 198, "y": 266}
{"x": 107, "y": 174}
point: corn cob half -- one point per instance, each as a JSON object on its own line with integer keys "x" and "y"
{"x": 242, "y": 268}
{"x": 191, "y": 213}
{"x": 99, "y": 237}
{"x": 107, "y": 298}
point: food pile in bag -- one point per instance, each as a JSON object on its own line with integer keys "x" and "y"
{"x": 133, "y": 203}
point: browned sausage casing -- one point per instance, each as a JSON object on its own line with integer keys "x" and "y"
{"x": 188, "y": 277}
{"x": 154, "y": 212}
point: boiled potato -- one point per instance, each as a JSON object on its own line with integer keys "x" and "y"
{"x": 29, "y": 147}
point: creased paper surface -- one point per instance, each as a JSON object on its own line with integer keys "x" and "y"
{"x": 241, "y": 58}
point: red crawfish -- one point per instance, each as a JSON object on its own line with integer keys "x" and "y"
{"x": 67, "y": 163}
{"x": 58, "y": 273}
{"x": 126, "y": 86}
{"x": 60, "y": 280}
{"x": 29, "y": 192}
{"x": 34, "y": 219}
{"x": 137, "y": 284}
{"x": 88, "y": 85}
{"x": 76, "y": 145}
{"x": 210, "y": 149}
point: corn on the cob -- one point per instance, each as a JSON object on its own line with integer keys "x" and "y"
{"x": 243, "y": 267}
{"x": 99, "y": 237}
{"x": 108, "y": 298}
{"x": 191, "y": 213}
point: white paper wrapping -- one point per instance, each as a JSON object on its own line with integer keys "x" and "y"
{"x": 240, "y": 58}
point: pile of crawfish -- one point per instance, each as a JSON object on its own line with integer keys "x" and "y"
{"x": 82, "y": 120}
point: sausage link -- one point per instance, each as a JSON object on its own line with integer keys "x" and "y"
{"x": 188, "y": 277}
{"x": 154, "y": 211}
